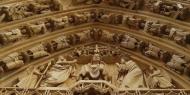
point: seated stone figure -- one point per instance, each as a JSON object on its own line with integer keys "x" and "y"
{"x": 94, "y": 70}
{"x": 158, "y": 79}
{"x": 129, "y": 42}
{"x": 11, "y": 36}
{"x": 58, "y": 44}
{"x": 111, "y": 37}
{"x": 179, "y": 36}
{"x": 134, "y": 22}
{"x": 132, "y": 76}
{"x": 155, "y": 28}
{"x": 13, "y": 12}
{"x": 12, "y": 57}
{"x": 110, "y": 18}
{"x": 35, "y": 29}
{"x": 59, "y": 72}
{"x": 58, "y": 23}
{"x": 79, "y": 18}
{"x": 107, "y": 36}
{"x": 55, "y": 5}
{"x": 161, "y": 7}
{"x": 36, "y": 52}
{"x": 150, "y": 50}
{"x": 12, "y": 61}
{"x": 177, "y": 63}
{"x": 129, "y": 4}
{"x": 175, "y": 10}
{"x": 44, "y": 6}
{"x": 84, "y": 36}
{"x": 153, "y": 51}
{"x": 37, "y": 8}
{"x": 87, "y": 35}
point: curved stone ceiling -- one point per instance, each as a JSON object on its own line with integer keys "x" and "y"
{"x": 94, "y": 48}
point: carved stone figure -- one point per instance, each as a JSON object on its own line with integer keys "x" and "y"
{"x": 134, "y": 22}
{"x": 107, "y": 36}
{"x": 153, "y": 51}
{"x": 132, "y": 74}
{"x": 58, "y": 23}
{"x": 59, "y": 72}
{"x": 11, "y": 36}
{"x": 96, "y": 34}
{"x": 177, "y": 63}
{"x": 111, "y": 18}
{"x": 94, "y": 70}
{"x": 156, "y": 29}
{"x": 13, "y": 12}
{"x": 12, "y": 57}
{"x": 12, "y": 61}
{"x": 58, "y": 44}
{"x": 175, "y": 10}
{"x": 31, "y": 78}
{"x": 36, "y": 52}
{"x": 35, "y": 29}
{"x": 17, "y": 11}
{"x": 142, "y": 46}
{"x": 158, "y": 79}
{"x": 83, "y": 36}
{"x": 179, "y": 36}
{"x": 129, "y": 4}
{"x": 129, "y": 42}
{"x": 166, "y": 56}
{"x": 79, "y": 18}
{"x": 5, "y": 14}
{"x": 37, "y": 8}
{"x": 89, "y": 15}
{"x": 150, "y": 50}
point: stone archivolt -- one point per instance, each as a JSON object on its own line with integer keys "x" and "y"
{"x": 112, "y": 57}
{"x": 86, "y": 36}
